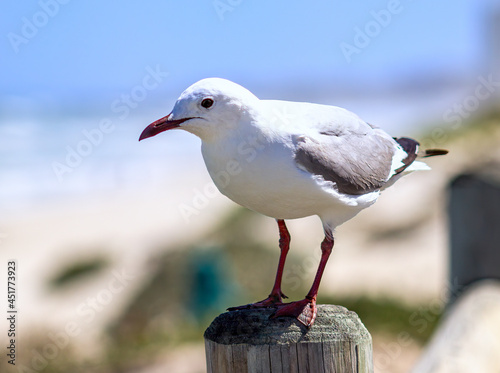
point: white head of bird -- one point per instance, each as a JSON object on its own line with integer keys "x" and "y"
{"x": 208, "y": 109}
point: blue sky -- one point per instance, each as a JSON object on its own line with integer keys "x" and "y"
{"x": 66, "y": 65}
{"x": 93, "y": 50}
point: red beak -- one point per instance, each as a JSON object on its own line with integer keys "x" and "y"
{"x": 161, "y": 125}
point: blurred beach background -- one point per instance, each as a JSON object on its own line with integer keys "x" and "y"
{"x": 125, "y": 252}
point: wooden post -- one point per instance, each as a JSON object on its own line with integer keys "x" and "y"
{"x": 474, "y": 215}
{"x": 468, "y": 338}
{"x": 249, "y": 341}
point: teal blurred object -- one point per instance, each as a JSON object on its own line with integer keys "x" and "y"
{"x": 211, "y": 286}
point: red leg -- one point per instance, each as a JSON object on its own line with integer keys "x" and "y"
{"x": 284, "y": 244}
{"x": 276, "y": 296}
{"x": 305, "y": 310}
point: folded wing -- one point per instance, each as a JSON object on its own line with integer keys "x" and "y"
{"x": 358, "y": 162}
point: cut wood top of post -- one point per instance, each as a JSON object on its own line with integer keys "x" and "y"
{"x": 253, "y": 326}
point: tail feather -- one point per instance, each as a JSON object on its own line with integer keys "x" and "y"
{"x": 434, "y": 152}
{"x": 410, "y": 164}
{"x": 410, "y": 147}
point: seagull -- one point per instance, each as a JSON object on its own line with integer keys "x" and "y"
{"x": 289, "y": 160}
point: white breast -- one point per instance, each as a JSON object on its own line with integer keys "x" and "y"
{"x": 261, "y": 175}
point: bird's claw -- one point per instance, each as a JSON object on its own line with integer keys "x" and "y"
{"x": 303, "y": 310}
{"x": 274, "y": 300}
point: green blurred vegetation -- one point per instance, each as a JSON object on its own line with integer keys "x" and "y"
{"x": 477, "y": 133}
{"x": 78, "y": 271}
{"x": 391, "y": 317}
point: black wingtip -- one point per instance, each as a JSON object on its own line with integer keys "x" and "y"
{"x": 410, "y": 146}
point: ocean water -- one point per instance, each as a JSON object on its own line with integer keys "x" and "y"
{"x": 53, "y": 159}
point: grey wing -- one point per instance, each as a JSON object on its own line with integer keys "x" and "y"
{"x": 357, "y": 163}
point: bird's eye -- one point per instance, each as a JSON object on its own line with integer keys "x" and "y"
{"x": 207, "y": 103}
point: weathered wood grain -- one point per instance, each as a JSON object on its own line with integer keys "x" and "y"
{"x": 249, "y": 341}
